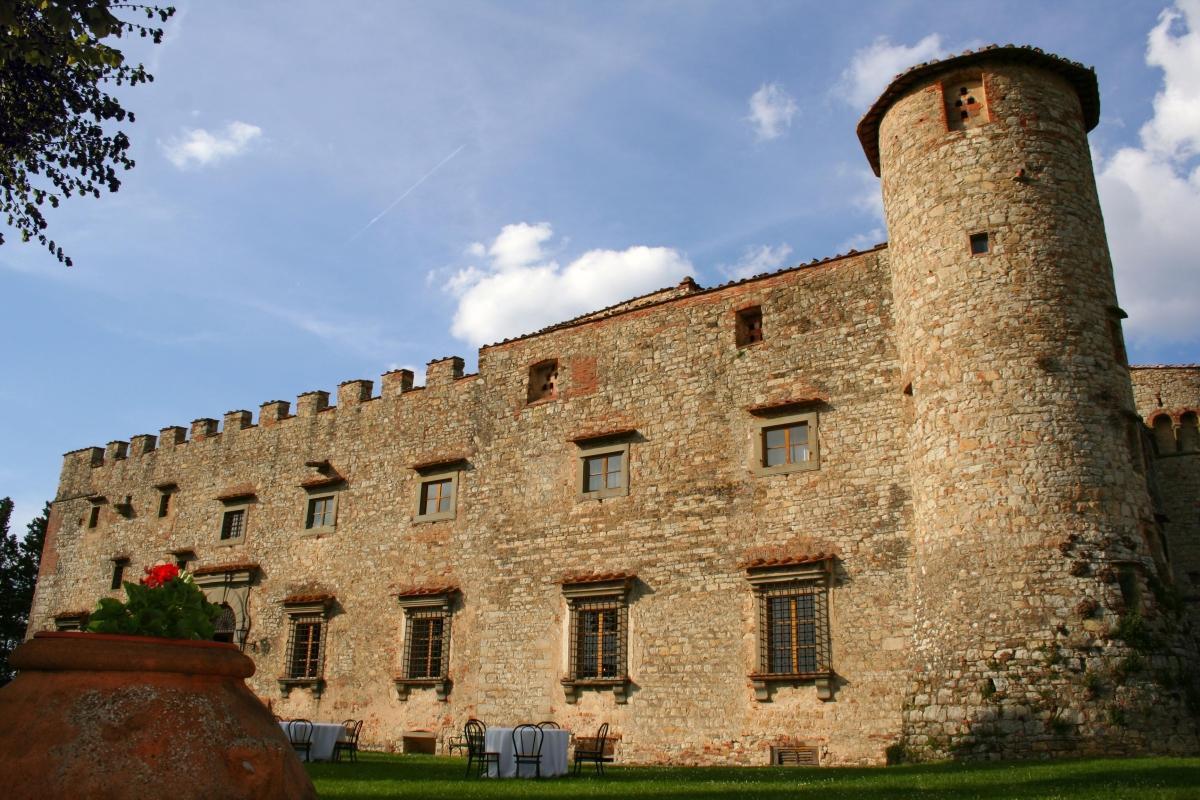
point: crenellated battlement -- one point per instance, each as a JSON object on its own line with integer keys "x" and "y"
{"x": 350, "y": 393}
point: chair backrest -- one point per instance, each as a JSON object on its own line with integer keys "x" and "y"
{"x": 601, "y": 735}
{"x": 351, "y": 730}
{"x": 473, "y": 731}
{"x": 300, "y": 731}
{"x": 548, "y": 725}
{"x": 527, "y": 740}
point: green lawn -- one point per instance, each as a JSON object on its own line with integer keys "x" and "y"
{"x": 429, "y": 778}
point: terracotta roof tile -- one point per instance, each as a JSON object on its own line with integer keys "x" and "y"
{"x": 238, "y": 491}
{"x": 72, "y": 614}
{"x": 424, "y": 591}
{"x": 788, "y": 402}
{"x": 786, "y": 561}
{"x": 601, "y": 433}
{"x": 217, "y": 569}
{"x": 321, "y": 481}
{"x": 440, "y": 460}
{"x": 598, "y": 577}
{"x": 297, "y": 599}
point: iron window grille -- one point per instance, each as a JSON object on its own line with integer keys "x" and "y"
{"x": 598, "y": 640}
{"x": 233, "y": 525}
{"x": 794, "y": 630}
{"x": 226, "y": 625}
{"x": 426, "y": 643}
{"x": 306, "y": 647}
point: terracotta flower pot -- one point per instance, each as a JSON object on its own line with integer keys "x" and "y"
{"x": 99, "y": 716}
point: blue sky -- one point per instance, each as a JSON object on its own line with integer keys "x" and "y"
{"x": 331, "y": 192}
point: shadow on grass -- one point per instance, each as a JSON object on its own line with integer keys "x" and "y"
{"x": 378, "y": 775}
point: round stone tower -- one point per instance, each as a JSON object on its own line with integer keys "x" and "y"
{"x": 1030, "y": 502}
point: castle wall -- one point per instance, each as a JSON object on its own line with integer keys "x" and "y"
{"x": 695, "y": 514}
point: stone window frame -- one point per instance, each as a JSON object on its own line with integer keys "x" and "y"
{"x": 310, "y": 502}
{"x": 596, "y": 448}
{"x": 586, "y": 596}
{"x": 227, "y": 512}
{"x": 433, "y": 605}
{"x": 309, "y": 611}
{"x": 437, "y": 472}
{"x": 806, "y": 576}
{"x": 971, "y": 76}
{"x": 229, "y": 585}
{"x": 71, "y": 621}
{"x": 744, "y": 332}
{"x": 771, "y": 419}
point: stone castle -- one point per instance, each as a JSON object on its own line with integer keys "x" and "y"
{"x": 904, "y": 502}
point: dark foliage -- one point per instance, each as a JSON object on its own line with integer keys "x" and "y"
{"x": 56, "y": 119}
{"x": 19, "y": 562}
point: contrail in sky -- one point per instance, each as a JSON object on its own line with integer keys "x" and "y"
{"x": 407, "y": 192}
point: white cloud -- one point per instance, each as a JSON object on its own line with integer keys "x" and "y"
{"x": 198, "y": 147}
{"x": 1151, "y": 193}
{"x": 522, "y": 290}
{"x": 873, "y": 67}
{"x": 756, "y": 260}
{"x": 771, "y": 111}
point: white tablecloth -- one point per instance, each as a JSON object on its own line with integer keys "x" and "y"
{"x": 324, "y": 736}
{"x": 554, "y": 753}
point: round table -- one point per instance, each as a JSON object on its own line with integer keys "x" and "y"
{"x": 324, "y": 736}
{"x": 554, "y": 753}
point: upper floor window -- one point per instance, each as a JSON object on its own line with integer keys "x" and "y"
{"x": 235, "y": 517}
{"x": 603, "y": 470}
{"x": 437, "y": 489}
{"x": 118, "y": 572}
{"x": 233, "y": 525}
{"x": 749, "y": 326}
{"x": 543, "y": 380}
{"x": 785, "y": 443}
{"x": 322, "y": 512}
{"x": 93, "y": 519}
{"x": 166, "y": 496}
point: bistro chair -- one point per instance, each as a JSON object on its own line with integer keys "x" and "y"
{"x": 548, "y": 725}
{"x": 300, "y": 735}
{"x": 348, "y": 741}
{"x": 452, "y": 740}
{"x": 477, "y": 752}
{"x": 587, "y": 749}
{"x": 527, "y": 748}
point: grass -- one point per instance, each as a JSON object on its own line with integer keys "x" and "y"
{"x": 430, "y": 778}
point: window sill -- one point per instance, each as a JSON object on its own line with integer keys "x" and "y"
{"x": 441, "y": 685}
{"x": 287, "y": 684}
{"x": 763, "y": 681}
{"x": 619, "y": 686}
{"x": 785, "y": 469}
{"x": 603, "y": 494}
{"x": 443, "y": 517}
{"x": 230, "y": 542}
{"x": 317, "y": 533}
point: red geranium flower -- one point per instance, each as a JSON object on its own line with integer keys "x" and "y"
{"x": 157, "y": 576}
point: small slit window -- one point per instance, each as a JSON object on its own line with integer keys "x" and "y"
{"x": 980, "y": 243}
{"x": 749, "y": 327}
{"x": 164, "y": 503}
{"x": 543, "y": 380}
{"x": 93, "y": 516}
{"x": 118, "y": 572}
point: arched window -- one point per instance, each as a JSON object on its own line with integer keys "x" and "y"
{"x": 1164, "y": 435}
{"x": 225, "y": 625}
{"x": 1189, "y": 433}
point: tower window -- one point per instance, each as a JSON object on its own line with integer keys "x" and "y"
{"x": 980, "y": 244}
{"x": 543, "y": 380}
{"x": 94, "y": 516}
{"x": 965, "y": 104}
{"x": 118, "y": 572}
{"x": 749, "y": 328}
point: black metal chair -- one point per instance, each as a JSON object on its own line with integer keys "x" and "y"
{"x": 300, "y": 735}
{"x": 348, "y": 742}
{"x": 548, "y": 725}
{"x": 477, "y": 752}
{"x": 527, "y": 748}
{"x": 452, "y": 740}
{"x": 587, "y": 749}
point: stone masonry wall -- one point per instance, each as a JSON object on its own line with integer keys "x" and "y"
{"x": 694, "y": 515}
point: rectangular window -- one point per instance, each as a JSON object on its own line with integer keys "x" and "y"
{"x": 118, "y": 572}
{"x": 321, "y": 512}
{"x": 94, "y": 516}
{"x": 305, "y": 649}
{"x": 979, "y": 244}
{"x": 164, "y": 504}
{"x": 603, "y": 471}
{"x": 749, "y": 326}
{"x": 233, "y": 525}
{"x": 437, "y": 497}
{"x": 793, "y": 630}
{"x": 437, "y": 492}
{"x": 543, "y": 381}
{"x": 423, "y": 646}
{"x": 598, "y": 640}
{"x": 785, "y": 444}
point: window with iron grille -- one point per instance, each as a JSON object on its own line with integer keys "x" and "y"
{"x": 786, "y": 443}
{"x": 598, "y": 646}
{"x": 426, "y": 642}
{"x": 226, "y": 624}
{"x": 794, "y": 629}
{"x": 322, "y": 512}
{"x": 233, "y": 525}
{"x": 305, "y": 648}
